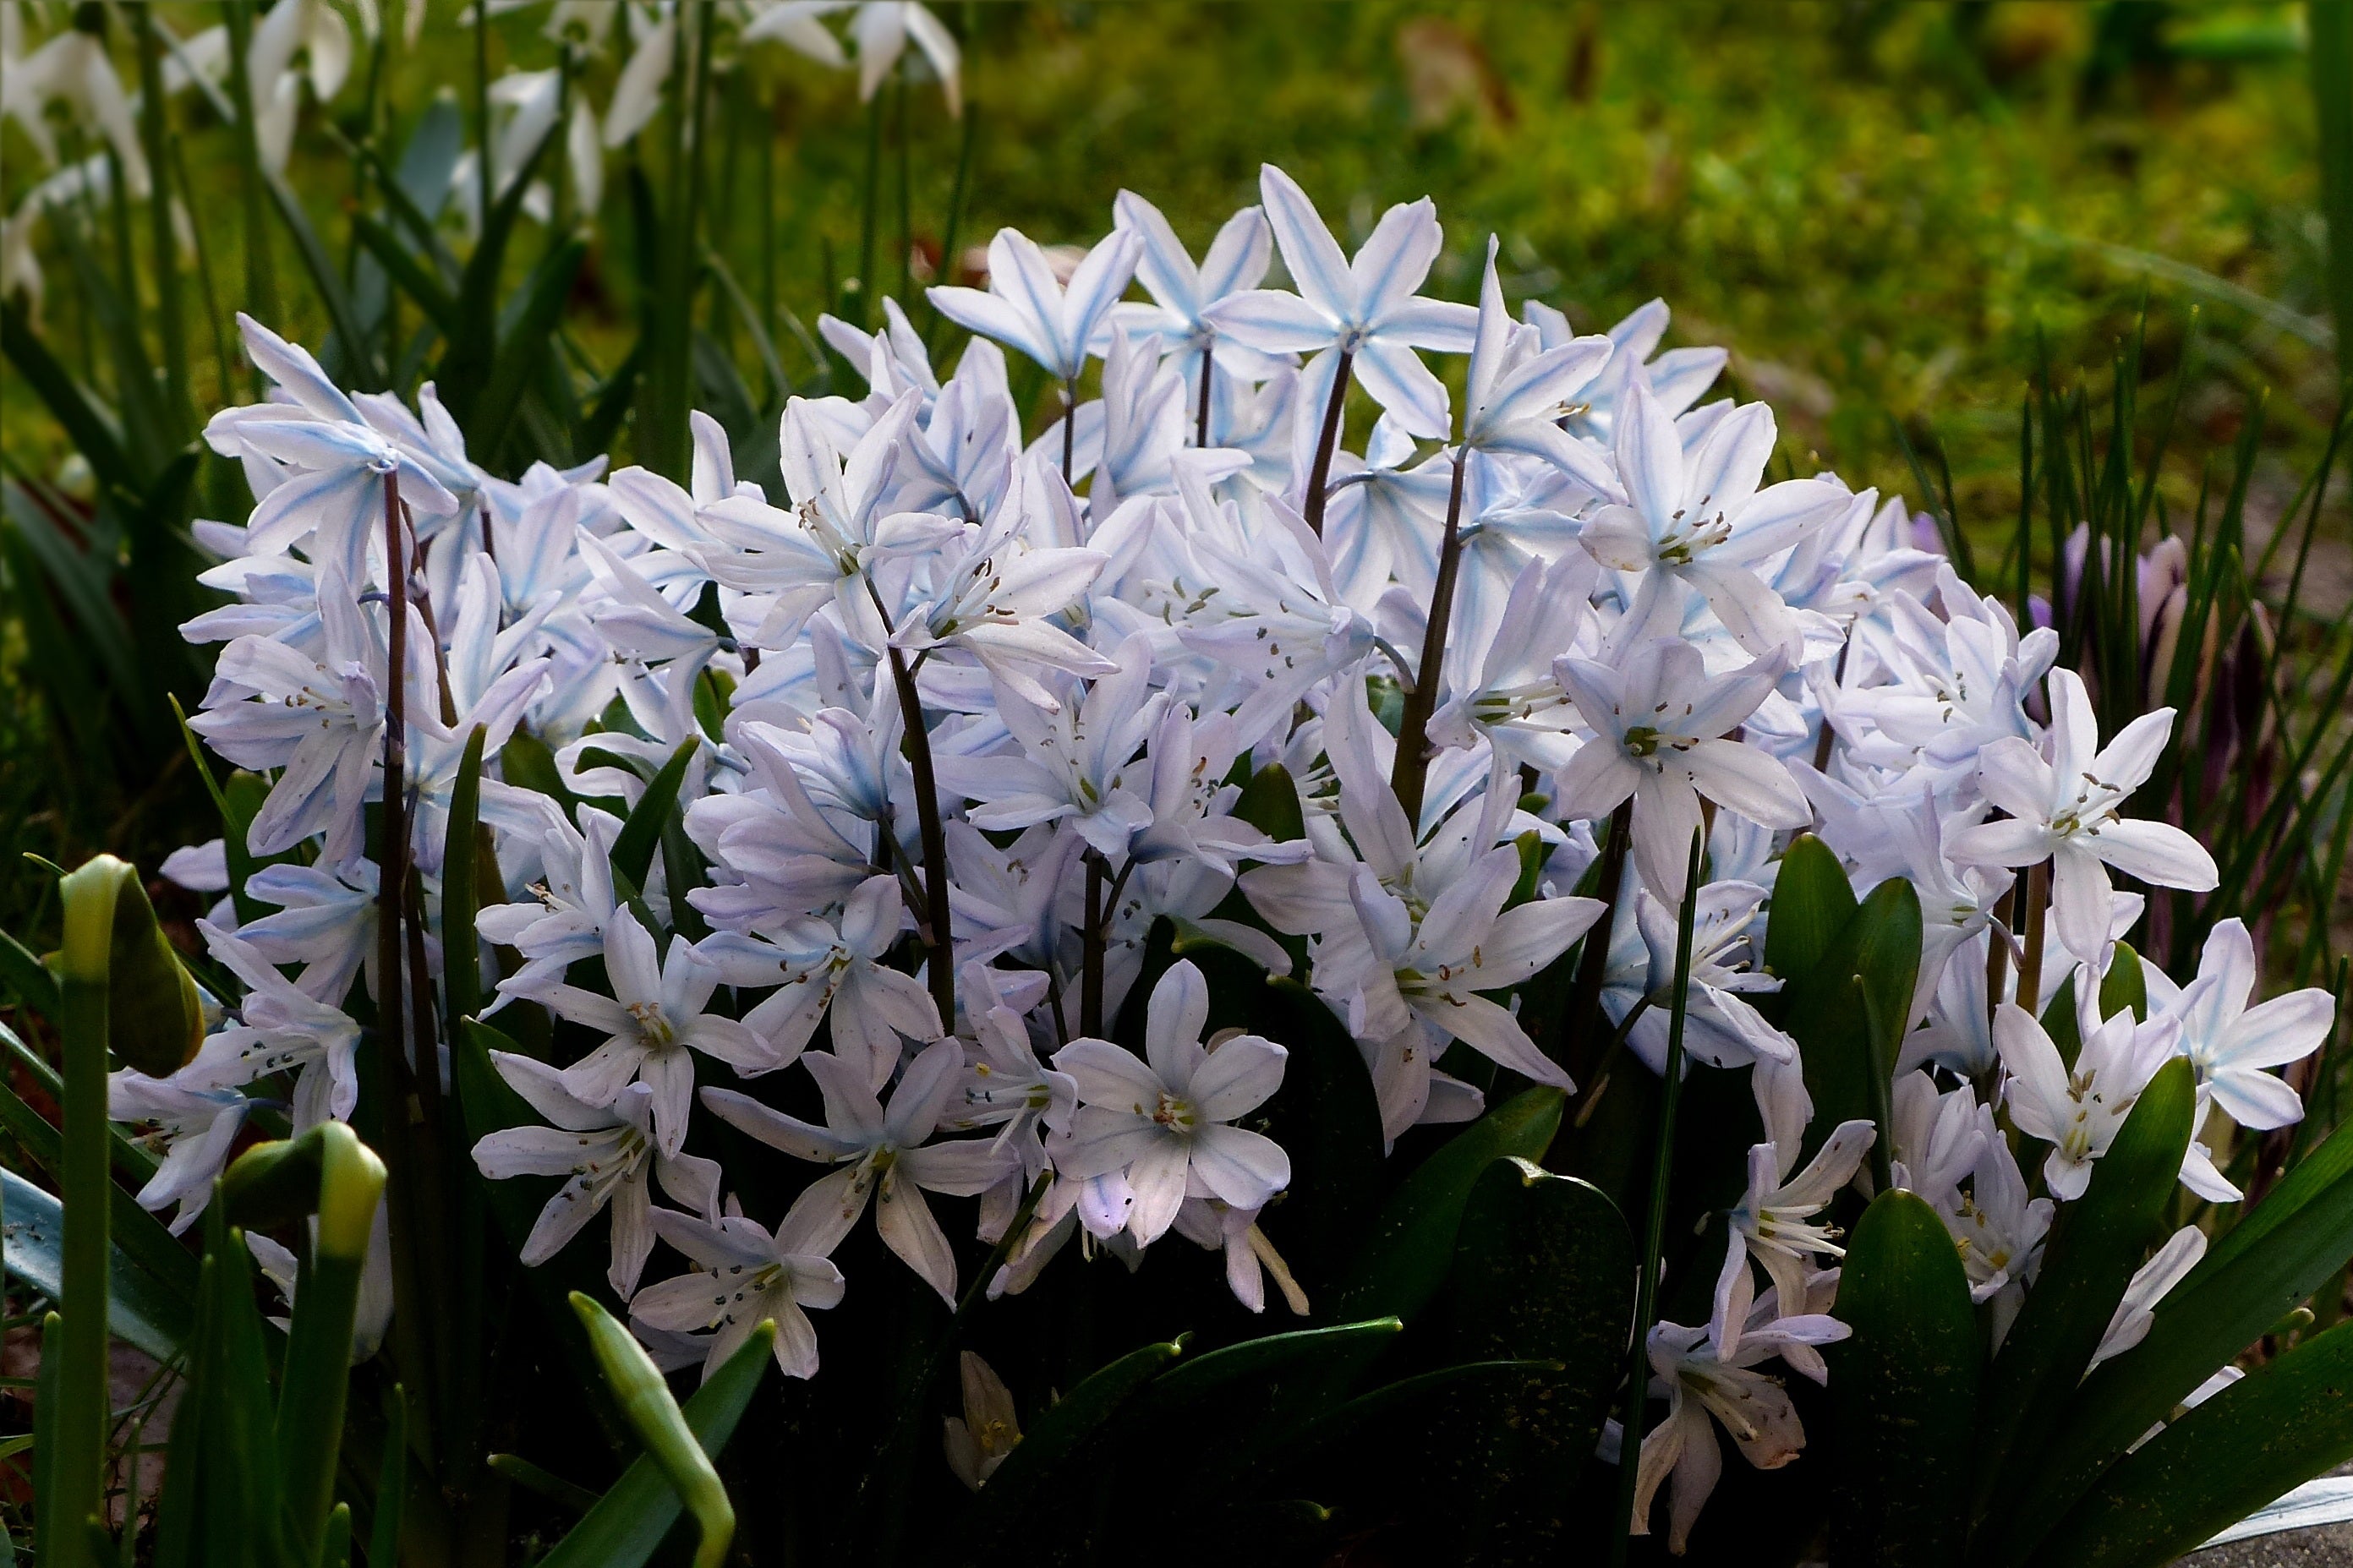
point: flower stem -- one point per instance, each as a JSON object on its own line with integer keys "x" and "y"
{"x": 1091, "y": 978}
{"x": 76, "y": 1426}
{"x": 917, "y": 742}
{"x": 1069, "y": 426}
{"x": 1410, "y": 773}
{"x": 1312, "y": 504}
{"x": 1201, "y": 419}
{"x": 1654, "y": 1223}
{"x": 2030, "y": 965}
{"x": 1579, "y": 1033}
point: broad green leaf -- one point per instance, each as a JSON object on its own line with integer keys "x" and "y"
{"x": 527, "y": 764}
{"x": 1880, "y": 945}
{"x": 640, "y": 835}
{"x": 1406, "y": 1256}
{"x": 2286, "y": 1422}
{"x": 1543, "y": 1272}
{"x": 1040, "y": 1464}
{"x": 1906, "y": 1387}
{"x": 2224, "y": 1304}
{"x": 141, "y": 1309}
{"x": 2098, "y": 1243}
{"x": 2125, "y": 984}
{"x": 1270, "y": 802}
{"x": 460, "y": 899}
{"x": 1267, "y": 1357}
{"x": 628, "y": 1525}
{"x": 1812, "y": 901}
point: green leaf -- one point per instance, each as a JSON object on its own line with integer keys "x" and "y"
{"x": 2234, "y": 1295}
{"x": 139, "y": 1308}
{"x": 640, "y": 835}
{"x": 523, "y": 342}
{"x": 88, "y": 423}
{"x": 1845, "y": 1067}
{"x": 2099, "y": 1240}
{"x": 1543, "y": 1272}
{"x": 425, "y": 290}
{"x": 1907, "y": 1385}
{"x": 1038, "y": 1465}
{"x": 461, "y": 857}
{"x": 628, "y": 1525}
{"x": 2331, "y": 46}
{"x": 1812, "y": 901}
{"x": 2284, "y": 1423}
{"x": 24, "y": 972}
{"x": 2125, "y": 985}
{"x": 350, "y": 334}
{"x": 1270, "y": 802}
{"x": 1268, "y": 1357}
{"x": 1405, "y": 1259}
{"x": 661, "y": 1426}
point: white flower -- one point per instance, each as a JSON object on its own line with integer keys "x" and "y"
{"x": 1698, "y": 521}
{"x": 1999, "y": 1229}
{"x": 1183, "y": 292}
{"x": 1164, "y": 1119}
{"x": 746, "y": 1276}
{"x": 1708, "y": 1375}
{"x": 1024, "y": 307}
{"x": 1773, "y": 1221}
{"x": 194, "y": 1128}
{"x": 2078, "y": 1110}
{"x": 1520, "y": 389}
{"x": 1366, "y": 309}
{"x": 279, "y": 1027}
{"x": 1659, "y": 718}
{"x": 978, "y": 1441}
{"x": 1250, "y": 1257}
{"x": 2135, "y": 1313}
{"x": 652, "y": 1020}
{"x": 2063, "y": 810}
{"x": 2229, "y": 1043}
{"x": 602, "y": 1152}
{"x": 884, "y": 1153}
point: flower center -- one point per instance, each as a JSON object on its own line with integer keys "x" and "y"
{"x": 1173, "y": 1113}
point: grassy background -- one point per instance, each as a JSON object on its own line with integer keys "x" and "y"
{"x": 1886, "y": 211}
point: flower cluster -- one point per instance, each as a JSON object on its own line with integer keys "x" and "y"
{"x": 955, "y": 719}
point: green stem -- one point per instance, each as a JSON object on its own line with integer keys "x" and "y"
{"x": 312, "y": 1391}
{"x": 260, "y": 281}
{"x": 1654, "y": 1223}
{"x": 867, "y": 217}
{"x": 77, "y": 1474}
{"x": 906, "y": 197}
{"x": 1580, "y": 1046}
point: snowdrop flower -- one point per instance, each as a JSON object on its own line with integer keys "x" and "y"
{"x": 1024, "y": 308}
{"x": 1166, "y": 1119}
{"x": 2078, "y": 1111}
{"x": 195, "y": 1129}
{"x": 1660, "y": 719}
{"x": 1699, "y": 521}
{"x": 1708, "y": 1376}
{"x": 1773, "y": 1221}
{"x": 311, "y": 31}
{"x": 882, "y": 29}
{"x": 1366, "y": 311}
{"x": 73, "y": 69}
{"x": 2229, "y": 1043}
{"x": 652, "y": 1021}
{"x": 2063, "y": 810}
{"x": 883, "y": 1153}
{"x": 745, "y": 1275}
{"x": 603, "y": 1153}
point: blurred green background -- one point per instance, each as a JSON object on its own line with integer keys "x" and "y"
{"x": 1889, "y": 212}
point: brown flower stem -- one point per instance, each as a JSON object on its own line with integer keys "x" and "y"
{"x": 1408, "y": 776}
{"x": 1312, "y": 504}
{"x": 1201, "y": 419}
